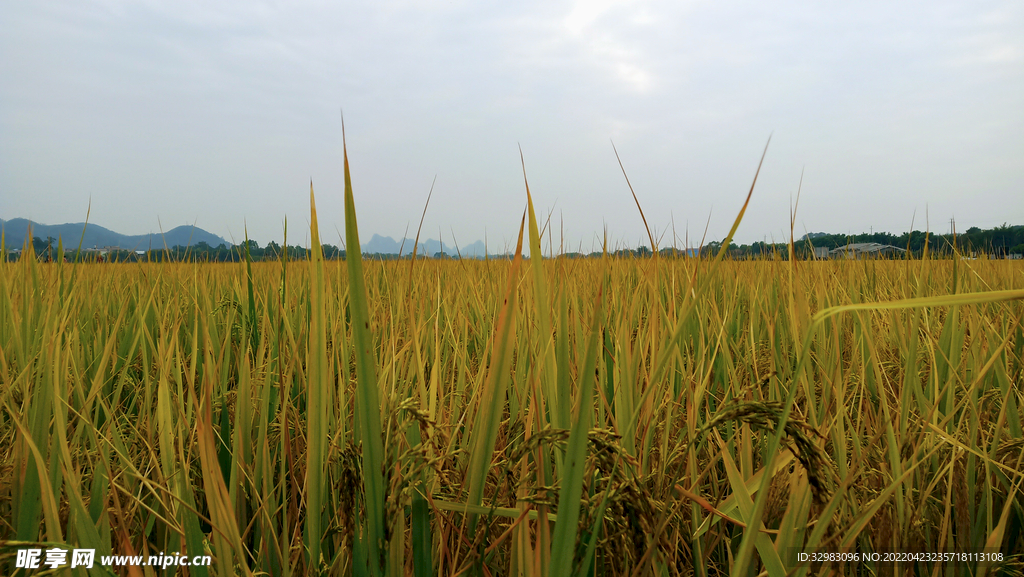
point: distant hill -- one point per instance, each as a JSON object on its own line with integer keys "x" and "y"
{"x": 386, "y": 245}
{"x": 97, "y": 236}
{"x": 475, "y": 250}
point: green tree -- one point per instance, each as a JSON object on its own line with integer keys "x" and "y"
{"x": 43, "y": 246}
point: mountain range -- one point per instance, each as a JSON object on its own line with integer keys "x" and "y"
{"x": 96, "y": 236}
{"x": 386, "y": 245}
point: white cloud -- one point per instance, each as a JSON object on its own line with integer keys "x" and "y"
{"x": 988, "y": 49}
{"x": 605, "y": 32}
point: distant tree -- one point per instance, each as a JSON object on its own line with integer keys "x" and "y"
{"x": 331, "y": 251}
{"x": 1001, "y": 238}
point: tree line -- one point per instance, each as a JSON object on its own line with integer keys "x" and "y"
{"x": 1000, "y": 241}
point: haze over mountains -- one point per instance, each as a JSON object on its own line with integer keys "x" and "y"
{"x": 96, "y": 236}
{"x": 386, "y": 245}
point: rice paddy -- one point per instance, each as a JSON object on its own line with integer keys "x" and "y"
{"x": 520, "y": 416}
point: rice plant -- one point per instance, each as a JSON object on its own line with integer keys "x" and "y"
{"x": 540, "y": 416}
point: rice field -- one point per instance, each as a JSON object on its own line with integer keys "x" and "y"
{"x": 520, "y": 416}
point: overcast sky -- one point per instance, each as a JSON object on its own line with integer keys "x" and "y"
{"x": 220, "y": 113}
